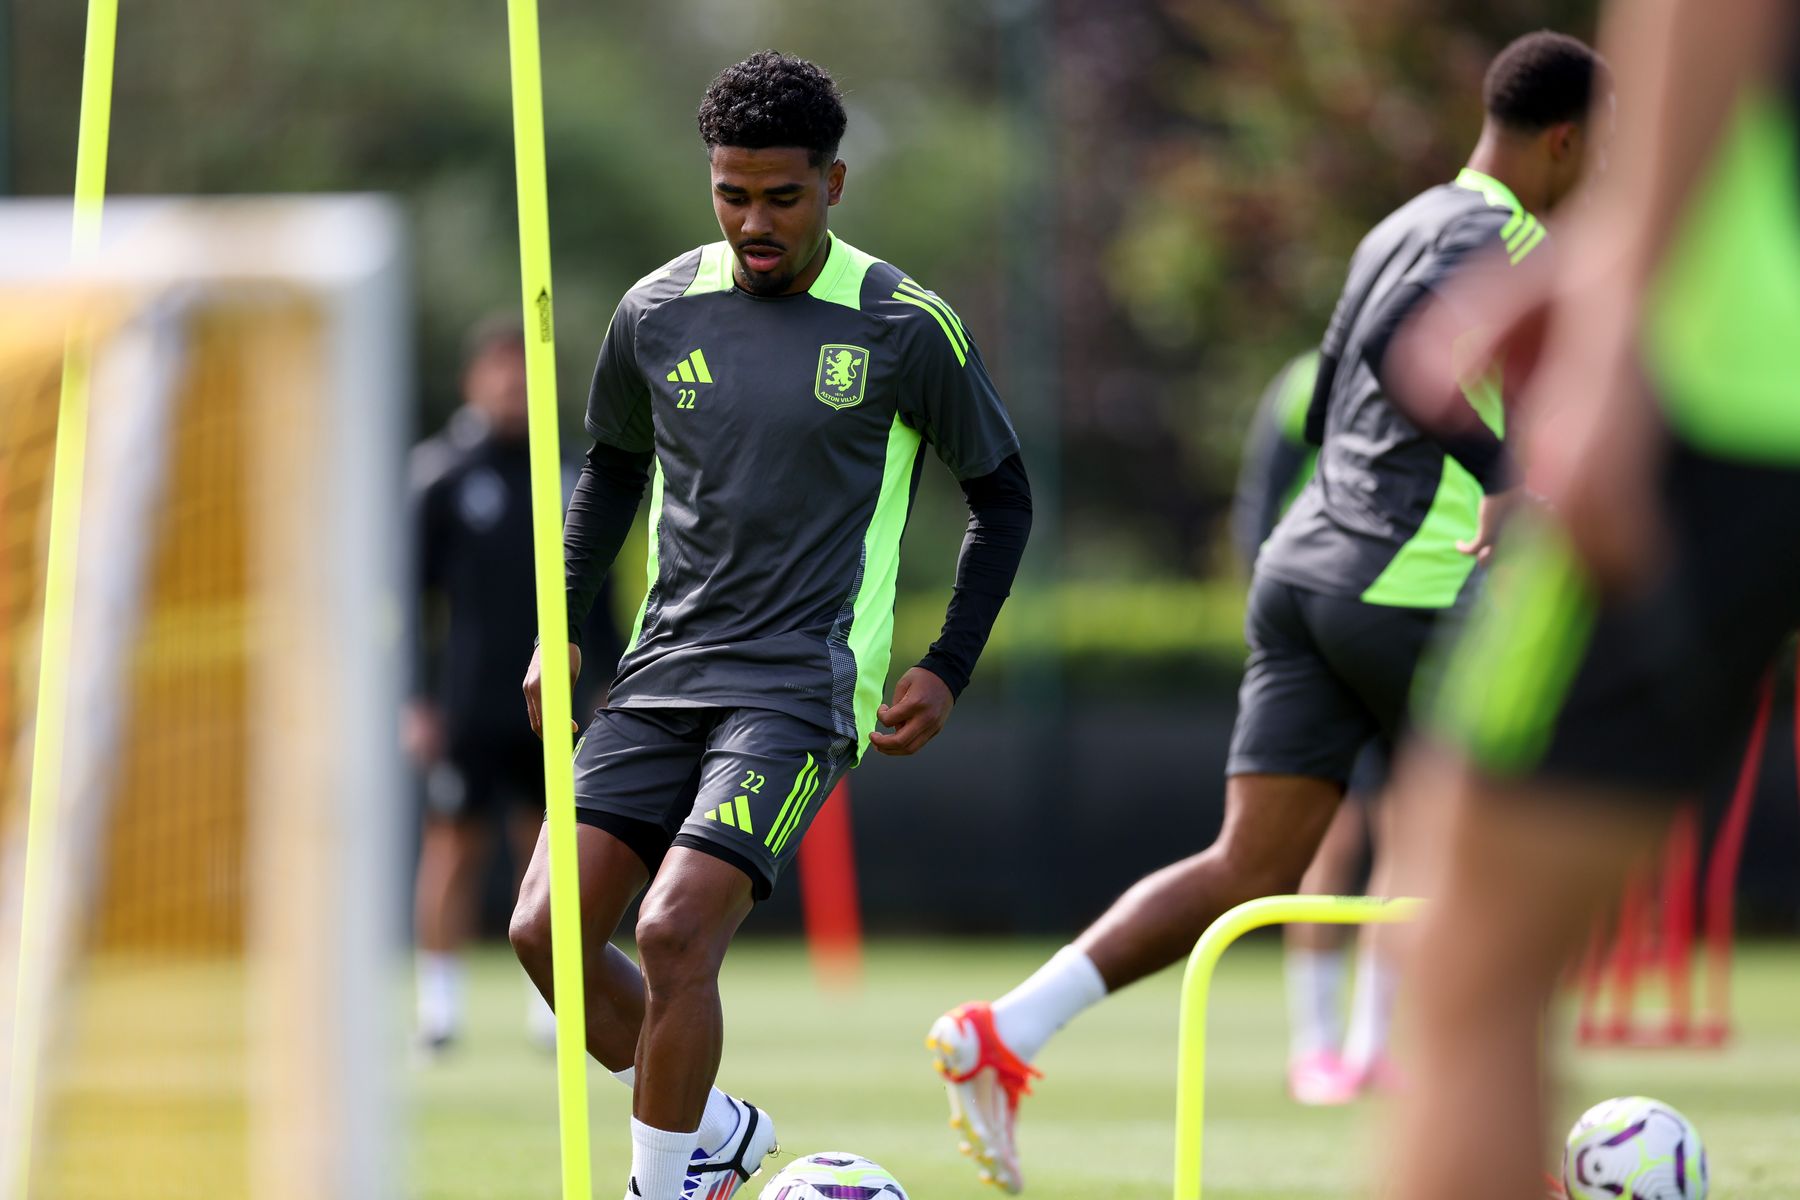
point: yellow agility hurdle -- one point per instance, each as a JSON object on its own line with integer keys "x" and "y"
{"x": 1196, "y": 986}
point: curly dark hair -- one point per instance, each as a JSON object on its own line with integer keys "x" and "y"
{"x": 1544, "y": 79}
{"x": 770, "y": 99}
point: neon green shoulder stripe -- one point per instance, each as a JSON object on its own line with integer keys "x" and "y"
{"x": 714, "y": 274}
{"x": 1522, "y": 231}
{"x": 841, "y": 280}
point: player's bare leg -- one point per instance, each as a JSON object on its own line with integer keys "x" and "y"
{"x": 1315, "y": 969}
{"x": 612, "y": 875}
{"x": 1379, "y": 953}
{"x": 452, "y": 851}
{"x": 684, "y": 928}
{"x": 1524, "y": 873}
{"x": 523, "y": 825}
{"x": 1273, "y": 826}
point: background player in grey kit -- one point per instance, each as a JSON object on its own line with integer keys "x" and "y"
{"x": 1348, "y": 588}
{"x": 778, "y": 386}
{"x": 483, "y": 771}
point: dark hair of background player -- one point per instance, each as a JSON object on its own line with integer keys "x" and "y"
{"x": 770, "y": 99}
{"x": 499, "y": 330}
{"x": 1544, "y": 79}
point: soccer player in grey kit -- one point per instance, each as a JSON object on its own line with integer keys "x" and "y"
{"x": 774, "y": 390}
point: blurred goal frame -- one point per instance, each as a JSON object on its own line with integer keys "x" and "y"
{"x": 325, "y": 821}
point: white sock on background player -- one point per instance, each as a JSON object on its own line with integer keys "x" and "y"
{"x": 659, "y": 1160}
{"x": 540, "y": 1018}
{"x": 1315, "y": 990}
{"x": 438, "y": 978}
{"x": 718, "y": 1122}
{"x": 1371, "y": 1011}
{"x": 1026, "y": 1017}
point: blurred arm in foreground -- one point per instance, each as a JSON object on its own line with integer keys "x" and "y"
{"x": 1618, "y": 654}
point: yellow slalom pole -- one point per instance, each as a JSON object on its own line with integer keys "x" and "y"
{"x": 553, "y": 614}
{"x": 42, "y": 825}
{"x": 1196, "y": 986}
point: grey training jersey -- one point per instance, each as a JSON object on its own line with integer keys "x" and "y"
{"x": 1386, "y": 506}
{"x": 787, "y": 433}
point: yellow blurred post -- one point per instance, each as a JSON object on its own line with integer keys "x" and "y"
{"x": 42, "y": 826}
{"x": 553, "y": 615}
{"x": 1196, "y": 985}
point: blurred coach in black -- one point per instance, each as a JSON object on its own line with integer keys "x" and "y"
{"x": 464, "y": 726}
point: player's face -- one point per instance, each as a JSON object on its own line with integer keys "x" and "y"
{"x": 494, "y": 385}
{"x": 772, "y": 206}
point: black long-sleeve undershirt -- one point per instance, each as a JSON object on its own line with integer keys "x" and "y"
{"x": 999, "y": 524}
{"x": 602, "y": 508}
{"x": 605, "y": 502}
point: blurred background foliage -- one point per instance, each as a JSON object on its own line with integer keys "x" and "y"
{"x": 1140, "y": 207}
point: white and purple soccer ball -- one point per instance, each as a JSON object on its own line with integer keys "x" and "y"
{"x": 1634, "y": 1148}
{"x": 833, "y": 1175}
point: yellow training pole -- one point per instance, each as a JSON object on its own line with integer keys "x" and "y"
{"x": 42, "y": 826}
{"x": 1196, "y": 985}
{"x": 553, "y": 614}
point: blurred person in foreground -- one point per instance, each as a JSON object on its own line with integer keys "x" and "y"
{"x": 1349, "y": 589}
{"x": 1327, "y": 1064}
{"x": 1613, "y": 665}
{"x": 780, "y": 385}
{"x": 482, "y": 766}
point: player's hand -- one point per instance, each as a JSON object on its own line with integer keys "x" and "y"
{"x": 921, "y": 705}
{"x": 1496, "y": 510}
{"x": 422, "y": 732}
{"x": 534, "y": 687}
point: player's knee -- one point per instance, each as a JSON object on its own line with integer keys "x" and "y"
{"x": 529, "y": 931}
{"x": 1261, "y": 871}
{"x": 674, "y": 945}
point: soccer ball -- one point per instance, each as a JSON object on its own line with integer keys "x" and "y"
{"x": 1634, "y": 1148}
{"x": 833, "y": 1175}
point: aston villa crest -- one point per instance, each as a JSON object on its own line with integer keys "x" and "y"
{"x": 843, "y": 371}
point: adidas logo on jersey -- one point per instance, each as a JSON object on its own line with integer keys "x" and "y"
{"x": 735, "y": 814}
{"x": 691, "y": 369}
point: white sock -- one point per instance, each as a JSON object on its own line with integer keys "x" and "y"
{"x": 1372, "y": 1010}
{"x": 1027, "y": 1016}
{"x": 718, "y": 1122}
{"x": 438, "y": 978}
{"x": 659, "y": 1160}
{"x": 1315, "y": 988}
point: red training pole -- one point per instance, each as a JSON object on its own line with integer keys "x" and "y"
{"x": 1628, "y": 955}
{"x": 828, "y": 893}
{"x": 1681, "y": 872}
{"x": 1721, "y": 875}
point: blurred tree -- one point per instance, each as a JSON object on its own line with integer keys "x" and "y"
{"x": 1220, "y": 159}
{"x": 1213, "y": 163}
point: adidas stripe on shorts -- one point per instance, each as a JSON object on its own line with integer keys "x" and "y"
{"x": 741, "y": 784}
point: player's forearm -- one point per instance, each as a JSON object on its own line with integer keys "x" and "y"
{"x": 1411, "y": 350}
{"x": 999, "y": 526}
{"x": 601, "y": 511}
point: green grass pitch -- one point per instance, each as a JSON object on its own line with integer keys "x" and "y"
{"x": 851, "y": 1073}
